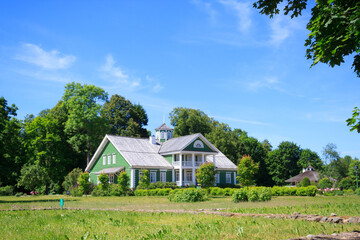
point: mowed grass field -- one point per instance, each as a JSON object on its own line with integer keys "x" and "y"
{"x": 116, "y": 218}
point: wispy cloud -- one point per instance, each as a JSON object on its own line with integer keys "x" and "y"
{"x": 241, "y": 120}
{"x": 120, "y": 79}
{"x": 208, "y": 8}
{"x": 50, "y": 60}
{"x": 269, "y": 82}
{"x": 242, "y": 12}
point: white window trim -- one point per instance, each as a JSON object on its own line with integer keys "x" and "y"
{"x": 151, "y": 177}
{"x": 188, "y": 176}
{"x": 104, "y": 160}
{"x": 111, "y": 178}
{"x": 217, "y": 177}
{"x": 109, "y": 159}
{"x": 114, "y": 158}
{"x": 162, "y": 174}
{"x": 228, "y": 177}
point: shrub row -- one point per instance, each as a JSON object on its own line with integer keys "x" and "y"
{"x": 294, "y": 191}
{"x": 188, "y": 195}
{"x": 153, "y": 192}
{"x": 252, "y": 194}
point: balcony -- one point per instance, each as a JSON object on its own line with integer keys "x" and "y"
{"x": 187, "y": 164}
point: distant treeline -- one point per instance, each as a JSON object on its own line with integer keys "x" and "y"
{"x": 36, "y": 153}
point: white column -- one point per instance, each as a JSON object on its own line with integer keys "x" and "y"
{"x": 214, "y": 160}
{"x": 234, "y": 177}
{"x": 202, "y": 158}
{"x": 180, "y": 170}
{"x": 132, "y": 182}
{"x": 173, "y": 175}
{"x": 193, "y": 168}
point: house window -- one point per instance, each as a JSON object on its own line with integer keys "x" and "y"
{"x": 188, "y": 176}
{"x": 114, "y": 158}
{"x": 111, "y": 178}
{"x": 104, "y": 160}
{"x": 152, "y": 177}
{"x": 163, "y": 176}
{"x": 217, "y": 178}
{"x": 109, "y": 159}
{"x": 177, "y": 176}
{"x": 228, "y": 177}
{"x": 162, "y": 135}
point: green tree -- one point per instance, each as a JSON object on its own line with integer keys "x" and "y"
{"x": 189, "y": 121}
{"x": 325, "y": 183}
{"x": 124, "y": 117}
{"x": 305, "y": 182}
{"x": 32, "y": 176}
{"x": 71, "y": 179}
{"x": 334, "y": 28}
{"x": 354, "y": 121}
{"x": 144, "y": 181}
{"x": 205, "y": 175}
{"x": 224, "y": 139}
{"x": 246, "y": 171}
{"x": 267, "y": 145}
{"x": 282, "y": 162}
{"x": 124, "y": 181}
{"x": 84, "y": 125}
{"x": 351, "y": 170}
{"x": 84, "y": 183}
{"x": 11, "y": 144}
{"x": 308, "y": 157}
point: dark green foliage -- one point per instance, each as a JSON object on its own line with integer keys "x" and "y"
{"x": 252, "y": 194}
{"x": 32, "y": 176}
{"x": 75, "y": 191}
{"x": 124, "y": 117}
{"x": 306, "y": 191}
{"x": 283, "y": 162}
{"x": 205, "y": 175}
{"x": 334, "y": 28}
{"x": 347, "y": 183}
{"x": 240, "y": 195}
{"x": 11, "y": 144}
{"x": 187, "y": 195}
{"x": 84, "y": 126}
{"x": 325, "y": 183}
{"x": 6, "y": 191}
{"x": 305, "y": 182}
{"x": 354, "y": 121}
{"x": 216, "y": 191}
{"x": 189, "y": 121}
{"x": 71, "y": 179}
{"x": 308, "y": 157}
{"x": 84, "y": 184}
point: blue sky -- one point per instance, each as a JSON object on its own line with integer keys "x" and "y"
{"x": 220, "y": 56}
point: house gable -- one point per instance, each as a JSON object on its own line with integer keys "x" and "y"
{"x": 198, "y": 145}
{"x": 107, "y": 151}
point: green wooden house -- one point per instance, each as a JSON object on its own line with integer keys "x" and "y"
{"x": 168, "y": 159}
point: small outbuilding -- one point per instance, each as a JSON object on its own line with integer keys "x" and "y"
{"x": 307, "y": 172}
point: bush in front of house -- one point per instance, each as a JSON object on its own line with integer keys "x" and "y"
{"x": 7, "y": 191}
{"x": 304, "y": 183}
{"x": 325, "y": 183}
{"x": 84, "y": 184}
{"x": 240, "y": 195}
{"x": 188, "y": 195}
{"x": 153, "y": 192}
{"x": 252, "y": 194}
{"x": 347, "y": 183}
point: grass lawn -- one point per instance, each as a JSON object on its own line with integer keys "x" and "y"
{"x": 100, "y": 224}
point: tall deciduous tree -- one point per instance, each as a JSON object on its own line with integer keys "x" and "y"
{"x": 84, "y": 125}
{"x": 11, "y": 144}
{"x": 283, "y": 162}
{"x": 189, "y": 121}
{"x": 246, "y": 171}
{"x": 308, "y": 157}
{"x": 205, "y": 175}
{"x": 124, "y": 117}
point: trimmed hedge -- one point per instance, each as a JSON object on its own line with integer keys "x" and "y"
{"x": 294, "y": 191}
{"x": 153, "y": 192}
{"x": 252, "y": 194}
{"x": 187, "y": 195}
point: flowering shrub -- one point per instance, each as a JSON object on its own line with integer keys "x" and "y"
{"x": 330, "y": 191}
{"x": 34, "y": 192}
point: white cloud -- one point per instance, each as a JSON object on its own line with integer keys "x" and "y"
{"x": 242, "y": 11}
{"x": 208, "y": 8}
{"x": 241, "y": 120}
{"x": 270, "y": 83}
{"x": 119, "y": 79}
{"x": 51, "y": 60}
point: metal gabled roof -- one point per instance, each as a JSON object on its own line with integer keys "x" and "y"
{"x": 163, "y": 127}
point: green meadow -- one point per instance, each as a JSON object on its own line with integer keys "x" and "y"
{"x": 118, "y": 218}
